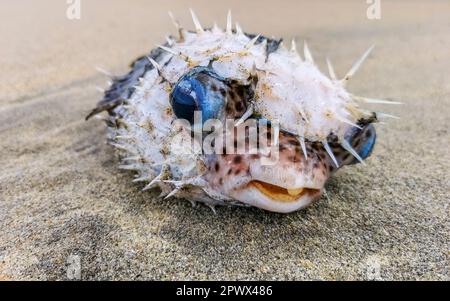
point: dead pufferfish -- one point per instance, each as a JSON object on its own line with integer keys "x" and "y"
{"x": 229, "y": 74}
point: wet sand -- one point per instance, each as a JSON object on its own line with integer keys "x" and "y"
{"x": 61, "y": 193}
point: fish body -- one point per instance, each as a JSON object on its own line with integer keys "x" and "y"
{"x": 186, "y": 118}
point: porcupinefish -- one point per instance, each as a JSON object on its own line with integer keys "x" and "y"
{"x": 291, "y": 126}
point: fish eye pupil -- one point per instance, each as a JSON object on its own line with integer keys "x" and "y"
{"x": 182, "y": 101}
{"x": 197, "y": 91}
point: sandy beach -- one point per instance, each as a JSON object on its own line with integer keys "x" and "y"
{"x": 62, "y": 196}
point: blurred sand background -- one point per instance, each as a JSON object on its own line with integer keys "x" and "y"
{"x": 61, "y": 194}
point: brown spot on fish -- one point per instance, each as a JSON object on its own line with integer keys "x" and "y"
{"x": 237, "y": 160}
{"x": 239, "y": 106}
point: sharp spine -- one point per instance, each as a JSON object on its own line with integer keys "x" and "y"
{"x": 123, "y": 122}
{"x": 354, "y": 111}
{"x": 331, "y": 70}
{"x": 347, "y": 121}
{"x": 239, "y": 29}
{"x": 122, "y": 147}
{"x": 162, "y": 194}
{"x": 102, "y": 118}
{"x": 141, "y": 179}
{"x": 350, "y": 149}
{"x": 164, "y": 173}
{"x": 173, "y": 193}
{"x": 252, "y": 42}
{"x": 174, "y": 20}
{"x": 376, "y": 101}
{"x": 293, "y": 46}
{"x": 276, "y": 136}
{"x": 330, "y": 152}
{"x": 307, "y": 54}
{"x": 246, "y": 115}
{"x": 169, "y": 41}
{"x": 356, "y": 65}
{"x": 254, "y": 70}
{"x": 152, "y": 183}
{"x": 139, "y": 88}
{"x": 159, "y": 69}
{"x": 130, "y": 167}
{"x": 104, "y": 72}
{"x": 229, "y": 30}
{"x": 163, "y": 163}
{"x": 303, "y": 145}
{"x": 169, "y": 50}
{"x": 302, "y": 112}
{"x": 294, "y": 49}
{"x": 155, "y": 64}
{"x": 177, "y": 26}
{"x": 385, "y": 115}
{"x": 135, "y": 158}
{"x": 198, "y": 26}
{"x": 213, "y": 209}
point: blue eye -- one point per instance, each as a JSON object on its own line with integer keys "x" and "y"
{"x": 362, "y": 141}
{"x": 199, "y": 90}
{"x": 368, "y": 138}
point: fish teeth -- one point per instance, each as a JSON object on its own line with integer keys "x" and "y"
{"x": 295, "y": 192}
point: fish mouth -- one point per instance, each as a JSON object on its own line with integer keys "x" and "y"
{"x": 281, "y": 194}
